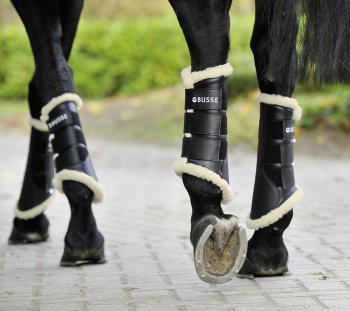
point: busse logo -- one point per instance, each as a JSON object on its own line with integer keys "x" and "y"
{"x": 290, "y": 129}
{"x": 57, "y": 120}
{"x": 205, "y": 99}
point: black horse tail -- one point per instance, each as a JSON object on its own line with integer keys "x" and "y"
{"x": 324, "y": 41}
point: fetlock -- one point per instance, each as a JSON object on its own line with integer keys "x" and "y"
{"x": 267, "y": 254}
{"x": 84, "y": 243}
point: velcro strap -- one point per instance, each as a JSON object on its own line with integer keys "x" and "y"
{"x": 203, "y": 99}
{"x": 288, "y": 180}
{"x": 203, "y": 123}
{"x": 277, "y": 152}
{"x": 287, "y": 153}
{"x": 59, "y": 121}
{"x": 71, "y": 135}
{"x": 288, "y": 129}
{"x": 71, "y": 156}
{"x": 62, "y": 116}
{"x": 198, "y": 148}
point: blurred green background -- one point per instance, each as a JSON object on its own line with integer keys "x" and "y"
{"x": 127, "y": 58}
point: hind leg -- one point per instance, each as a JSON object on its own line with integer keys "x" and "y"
{"x": 218, "y": 241}
{"x": 51, "y": 37}
{"x": 275, "y": 192}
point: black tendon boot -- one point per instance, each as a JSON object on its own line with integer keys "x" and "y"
{"x": 219, "y": 243}
{"x": 30, "y": 225}
{"x": 275, "y": 191}
{"x": 75, "y": 176}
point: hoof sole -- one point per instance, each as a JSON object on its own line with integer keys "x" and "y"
{"x": 221, "y": 250}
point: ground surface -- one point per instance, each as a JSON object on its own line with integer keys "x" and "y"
{"x": 145, "y": 220}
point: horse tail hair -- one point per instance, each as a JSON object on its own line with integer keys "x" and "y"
{"x": 280, "y": 15}
{"x": 324, "y": 55}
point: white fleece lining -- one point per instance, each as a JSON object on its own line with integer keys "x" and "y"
{"x": 81, "y": 177}
{"x": 37, "y": 124}
{"x": 276, "y": 213}
{"x": 56, "y": 101}
{"x": 190, "y": 78}
{"x": 181, "y": 166}
{"x": 283, "y": 101}
{"x": 36, "y": 210}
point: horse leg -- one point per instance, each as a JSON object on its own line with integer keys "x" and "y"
{"x": 219, "y": 243}
{"x": 30, "y": 224}
{"x": 51, "y": 39}
{"x": 275, "y": 192}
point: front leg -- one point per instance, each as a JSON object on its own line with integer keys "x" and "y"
{"x": 219, "y": 242}
{"x": 275, "y": 191}
{"x": 53, "y": 80}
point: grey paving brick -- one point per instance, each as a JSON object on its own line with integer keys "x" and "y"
{"x": 145, "y": 220}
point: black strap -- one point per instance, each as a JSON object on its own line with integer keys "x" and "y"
{"x": 62, "y": 116}
{"x": 288, "y": 129}
{"x": 276, "y": 151}
{"x": 71, "y": 135}
{"x": 287, "y": 153}
{"x": 199, "y": 148}
{"x": 71, "y": 156}
{"x": 203, "y": 123}
{"x": 203, "y": 99}
{"x": 288, "y": 180}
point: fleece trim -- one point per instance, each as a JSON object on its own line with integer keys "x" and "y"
{"x": 279, "y": 100}
{"x": 82, "y": 178}
{"x": 181, "y": 166}
{"x": 56, "y": 101}
{"x": 37, "y": 124}
{"x": 190, "y": 78}
{"x": 36, "y": 210}
{"x": 277, "y": 213}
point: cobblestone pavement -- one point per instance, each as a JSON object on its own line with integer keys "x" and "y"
{"x": 145, "y": 220}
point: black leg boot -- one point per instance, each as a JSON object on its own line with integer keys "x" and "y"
{"x": 76, "y": 178}
{"x": 219, "y": 242}
{"x": 30, "y": 225}
{"x": 275, "y": 190}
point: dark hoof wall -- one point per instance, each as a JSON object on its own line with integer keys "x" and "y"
{"x": 74, "y": 258}
{"x": 220, "y": 247}
{"x": 19, "y": 237}
{"x": 251, "y": 270}
{"x": 29, "y": 231}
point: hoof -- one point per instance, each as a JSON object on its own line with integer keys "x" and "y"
{"x": 220, "y": 246}
{"x": 82, "y": 249}
{"x": 73, "y": 258}
{"x": 262, "y": 262}
{"x": 29, "y": 231}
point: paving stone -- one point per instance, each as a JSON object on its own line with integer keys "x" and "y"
{"x": 146, "y": 222}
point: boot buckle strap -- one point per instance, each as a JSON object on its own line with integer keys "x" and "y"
{"x": 203, "y": 99}
{"x": 199, "y": 148}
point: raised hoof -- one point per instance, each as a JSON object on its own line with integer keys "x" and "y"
{"x": 220, "y": 247}
{"x": 29, "y": 231}
{"x": 73, "y": 258}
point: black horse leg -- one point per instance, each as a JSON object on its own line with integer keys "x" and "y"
{"x": 219, "y": 243}
{"x": 30, "y": 224}
{"x": 51, "y": 37}
{"x": 275, "y": 192}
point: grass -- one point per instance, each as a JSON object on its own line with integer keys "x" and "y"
{"x": 157, "y": 115}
